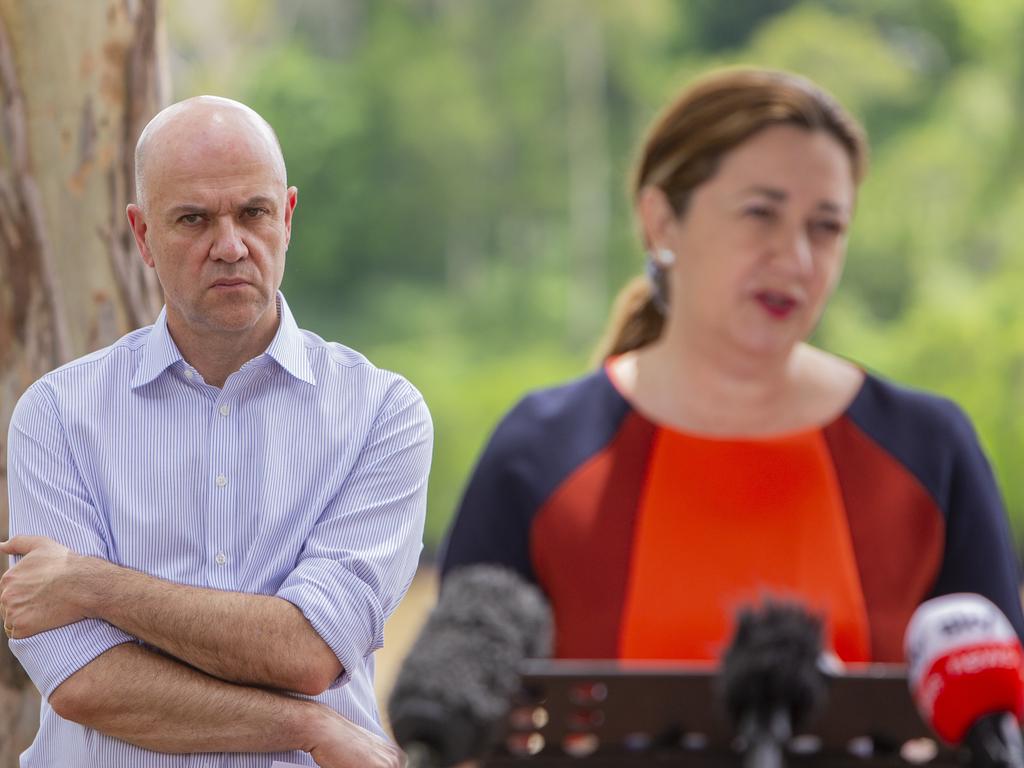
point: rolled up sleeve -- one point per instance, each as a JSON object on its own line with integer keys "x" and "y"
{"x": 362, "y": 554}
{"x": 52, "y": 657}
{"x": 48, "y": 498}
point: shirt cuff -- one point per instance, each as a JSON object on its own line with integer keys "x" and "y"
{"x": 342, "y": 608}
{"x": 51, "y": 657}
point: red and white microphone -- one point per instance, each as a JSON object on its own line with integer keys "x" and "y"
{"x": 966, "y": 674}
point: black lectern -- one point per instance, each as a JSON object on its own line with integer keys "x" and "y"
{"x": 625, "y": 714}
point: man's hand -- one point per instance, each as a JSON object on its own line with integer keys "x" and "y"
{"x": 343, "y": 744}
{"x": 36, "y": 594}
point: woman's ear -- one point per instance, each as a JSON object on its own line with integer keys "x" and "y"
{"x": 655, "y": 215}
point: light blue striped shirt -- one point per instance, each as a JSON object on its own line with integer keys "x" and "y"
{"x": 304, "y": 477}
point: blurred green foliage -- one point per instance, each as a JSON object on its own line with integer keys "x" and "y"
{"x": 462, "y": 168}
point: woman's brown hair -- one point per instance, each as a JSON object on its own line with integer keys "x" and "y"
{"x": 687, "y": 142}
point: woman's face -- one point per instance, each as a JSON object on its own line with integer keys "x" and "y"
{"x": 761, "y": 246}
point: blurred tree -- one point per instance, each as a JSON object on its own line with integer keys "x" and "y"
{"x": 462, "y": 170}
{"x": 75, "y": 95}
{"x": 720, "y": 24}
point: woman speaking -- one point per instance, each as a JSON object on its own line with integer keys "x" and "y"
{"x": 717, "y": 458}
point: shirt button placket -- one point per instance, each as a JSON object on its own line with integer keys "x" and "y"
{"x": 223, "y": 498}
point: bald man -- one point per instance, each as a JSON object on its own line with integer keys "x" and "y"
{"x": 212, "y": 518}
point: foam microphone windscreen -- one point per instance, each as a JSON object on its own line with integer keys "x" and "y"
{"x": 965, "y": 662}
{"x": 773, "y": 665}
{"x": 462, "y": 672}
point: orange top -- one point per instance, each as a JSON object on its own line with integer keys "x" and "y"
{"x": 723, "y": 524}
{"x": 647, "y": 541}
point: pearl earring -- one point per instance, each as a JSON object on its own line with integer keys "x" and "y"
{"x": 664, "y": 257}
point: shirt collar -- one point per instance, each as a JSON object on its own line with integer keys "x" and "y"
{"x": 159, "y": 353}
{"x": 287, "y": 348}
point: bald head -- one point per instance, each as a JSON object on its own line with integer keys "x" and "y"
{"x": 209, "y": 121}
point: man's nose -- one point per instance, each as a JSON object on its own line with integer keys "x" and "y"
{"x": 228, "y": 244}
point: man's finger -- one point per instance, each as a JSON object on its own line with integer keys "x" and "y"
{"x": 22, "y": 545}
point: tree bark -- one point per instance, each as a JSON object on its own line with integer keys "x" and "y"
{"x": 78, "y": 81}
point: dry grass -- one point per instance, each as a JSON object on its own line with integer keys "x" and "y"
{"x": 401, "y": 630}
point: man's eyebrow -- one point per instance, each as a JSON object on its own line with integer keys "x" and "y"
{"x": 257, "y": 200}
{"x": 184, "y": 210}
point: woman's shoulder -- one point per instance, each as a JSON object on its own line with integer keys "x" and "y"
{"x": 551, "y": 432}
{"x": 928, "y": 434}
{"x": 885, "y": 407}
{"x": 544, "y": 439}
{"x": 586, "y": 409}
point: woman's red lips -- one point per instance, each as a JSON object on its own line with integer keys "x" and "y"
{"x": 776, "y": 304}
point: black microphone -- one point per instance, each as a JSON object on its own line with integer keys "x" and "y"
{"x": 457, "y": 682}
{"x": 771, "y": 681}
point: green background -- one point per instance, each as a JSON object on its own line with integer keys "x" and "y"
{"x": 463, "y": 164}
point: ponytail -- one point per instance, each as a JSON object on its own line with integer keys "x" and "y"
{"x": 636, "y": 320}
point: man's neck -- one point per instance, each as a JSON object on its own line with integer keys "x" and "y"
{"x": 218, "y": 355}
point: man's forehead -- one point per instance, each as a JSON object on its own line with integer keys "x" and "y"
{"x": 214, "y": 140}
{"x": 207, "y": 138}
{"x": 212, "y": 190}
{"x": 203, "y": 163}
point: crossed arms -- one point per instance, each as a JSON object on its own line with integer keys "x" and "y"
{"x": 212, "y": 655}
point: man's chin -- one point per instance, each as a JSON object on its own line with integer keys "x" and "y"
{"x": 241, "y": 316}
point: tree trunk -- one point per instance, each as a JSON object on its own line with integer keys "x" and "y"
{"x": 78, "y": 81}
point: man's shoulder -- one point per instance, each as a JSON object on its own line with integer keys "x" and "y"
{"x": 83, "y": 383}
{"x": 333, "y": 355}
{"x": 101, "y": 366}
{"x": 336, "y": 365}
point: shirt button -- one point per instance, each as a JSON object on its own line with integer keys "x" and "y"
{"x": 225, "y": 409}
{"x": 221, "y": 481}
{"x": 188, "y": 373}
{"x": 221, "y": 558}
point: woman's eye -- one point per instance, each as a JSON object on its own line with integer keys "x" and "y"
{"x": 760, "y": 212}
{"x": 829, "y": 227}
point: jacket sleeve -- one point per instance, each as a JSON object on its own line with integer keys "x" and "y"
{"x": 492, "y": 523}
{"x": 979, "y": 555}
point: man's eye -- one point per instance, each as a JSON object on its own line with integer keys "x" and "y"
{"x": 255, "y": 213}
{"x": 190, "y": 218}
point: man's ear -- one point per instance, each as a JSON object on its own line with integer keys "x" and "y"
{"x": 290, "y": 202}
{"x": 137, "y": 221}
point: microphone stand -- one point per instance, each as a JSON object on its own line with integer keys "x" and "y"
{"x": 995, "y": 742}
{"x": 764, "y": 744}
{"x": 420, "y": 755}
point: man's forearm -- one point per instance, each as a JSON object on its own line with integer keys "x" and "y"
{"x": 154, "y": 702}
{"x": 249, "y": 639}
